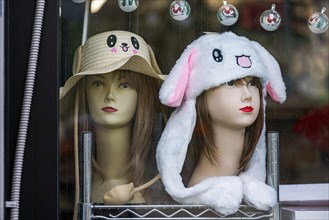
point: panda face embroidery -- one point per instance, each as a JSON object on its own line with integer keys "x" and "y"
{"x": 123, "y": 45}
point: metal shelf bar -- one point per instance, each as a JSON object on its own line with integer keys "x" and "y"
{"x": 166, "y": 211}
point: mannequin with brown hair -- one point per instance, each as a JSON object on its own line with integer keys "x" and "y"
{"x": 215, "y": 87}
{"x": 121, "y": 112}
{"x": 113, "y": 93}
{"x": 124, "y": 117}
{"x": 229, "y": 123}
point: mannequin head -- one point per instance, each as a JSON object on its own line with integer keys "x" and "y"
{"x": 137, "y": 105}
{"x": 221, "y": 106}
{"x": 234, "y": 105}
{"x": 111, "y": 98}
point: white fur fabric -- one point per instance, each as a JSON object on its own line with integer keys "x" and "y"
{"x": 209, "y": 61}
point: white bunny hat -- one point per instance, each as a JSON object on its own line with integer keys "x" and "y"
{"x": 212, "y": 60}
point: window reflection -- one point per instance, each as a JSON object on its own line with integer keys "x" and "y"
{"x": 303, "y": 121}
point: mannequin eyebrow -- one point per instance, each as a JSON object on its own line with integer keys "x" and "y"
{"x": 247, "y": 81}
{"x": 100, "y": 76}
{"x": 251, "y": 79}
{"x": 121, "y": 77}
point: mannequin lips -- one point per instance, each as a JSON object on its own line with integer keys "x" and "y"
{"x": 247, "y": 109}
{"x": 109, "y": 109}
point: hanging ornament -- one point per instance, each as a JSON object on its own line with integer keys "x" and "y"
{"x": 179, "y": 10}
{"x": 270, "y": 19}
{"x": 318, "y": 22}
{"x": 227, "y": 14}
{"x": 128, "y": 5}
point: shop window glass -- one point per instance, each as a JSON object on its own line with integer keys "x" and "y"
{"x": 302, "y": 121}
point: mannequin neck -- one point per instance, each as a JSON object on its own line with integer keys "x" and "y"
{"x": 229, "y": 144}
{"x": 112, "y": 149}
{"x": 229, "y": 148}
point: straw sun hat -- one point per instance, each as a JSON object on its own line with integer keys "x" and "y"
{"x": 109, "y": 51}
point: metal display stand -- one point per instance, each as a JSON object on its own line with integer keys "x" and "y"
{"x": 94, "y": 211}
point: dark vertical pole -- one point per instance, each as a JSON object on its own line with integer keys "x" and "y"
{"x": 85, "y": 176}
{"x": 39, "y": 190}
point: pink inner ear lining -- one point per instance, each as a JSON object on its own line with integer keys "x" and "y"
{"x": 272, "y": 93}
{"x": 182, "y": 83}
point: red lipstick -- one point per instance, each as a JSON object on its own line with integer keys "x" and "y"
{"x": 247, "y": 109}
{"x": 109, "y": 109}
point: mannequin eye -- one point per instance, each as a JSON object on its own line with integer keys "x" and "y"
{"x": 124, "y": 85}
{"x": 217, "y": 55}
{"x": 97, "y": 83}
{"x": 252, "y": 82}
{"x": 111, "y": 40}
{"x": 135, "y": 42}
{"x": 231, "y": 83}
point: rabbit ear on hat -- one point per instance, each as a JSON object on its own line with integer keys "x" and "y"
{"x": 173, "y": 89}
{"x": 173, "y": 144}
{"x": 275, "y": 86}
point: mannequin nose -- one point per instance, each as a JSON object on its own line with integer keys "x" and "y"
{"x": 246, "y": 94}
{"x": 110, "y": 96}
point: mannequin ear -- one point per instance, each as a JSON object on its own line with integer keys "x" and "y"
{"x": 173, "y": 89}
{"x": 275, "y": 86}
{"x": 77, "y": 61}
